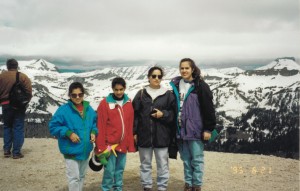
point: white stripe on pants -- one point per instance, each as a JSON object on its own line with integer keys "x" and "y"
{"x": 75, "y": 171}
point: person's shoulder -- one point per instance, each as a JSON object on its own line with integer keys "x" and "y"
{"x": 23, "y": 75}
{"x": 201, "y": 82}
{"x": 65, "y": 105}
{"x": 170, "y": 94}
{"x": 8, "y": 76}
{"x": 62, "y": 109}
{"x": 139, "y": 93}
{"x": 170, "y": 91}
{"x": 203, "y": 86}
{"x": 103, "y": 102}
{"x": 176, "y": 79}
{"x": 5, "y": 73}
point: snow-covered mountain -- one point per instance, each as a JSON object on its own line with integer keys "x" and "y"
{"x": 247, "y": 102}
{"x": 280, "y": 64}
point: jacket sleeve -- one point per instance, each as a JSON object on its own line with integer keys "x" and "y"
{"x": 101, "y": 125}
{"x": 130, "y": 131}
{"x": 94, "y": 129}
{"x": 209, "y": 116}
{"x": 169, "y": 110}
{"x": 57, "y": 124}
{"x": 26, "y": 83}
{"x": 136, "y": 103}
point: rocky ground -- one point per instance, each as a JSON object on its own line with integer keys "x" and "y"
{"x": 43, "y": 168}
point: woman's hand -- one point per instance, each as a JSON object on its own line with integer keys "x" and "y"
{"x": 74, "y": 138}
{"x": 206, "y": 135}
{"x": 93, "y": 138}
{"x": 158, "y": 114}
{"x": 135, "y": 139}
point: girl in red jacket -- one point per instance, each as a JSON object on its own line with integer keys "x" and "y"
{"x": 115, "y": 126}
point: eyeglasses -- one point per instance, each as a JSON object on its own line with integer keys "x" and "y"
{"x": 154, "y": 76}
{"x": 77, "y": 95}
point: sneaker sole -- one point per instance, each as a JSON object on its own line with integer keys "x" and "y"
{"x": 18, "y": 157}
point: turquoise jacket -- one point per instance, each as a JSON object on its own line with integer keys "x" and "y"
{"x": 67, "y": 120}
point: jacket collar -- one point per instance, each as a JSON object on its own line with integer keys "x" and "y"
{"x": 110, "y": 99}
{"x": 161, "y": 90}
{"x": 177, "y": 79}
{"x": 84, "y": 103}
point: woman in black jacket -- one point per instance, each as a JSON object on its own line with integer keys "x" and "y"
{"x": 153, "y": 113}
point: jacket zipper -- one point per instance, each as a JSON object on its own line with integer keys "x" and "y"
{"x": 120, "y": 109}
{"x": 176, "y": 92}
{"x": 83, "y": 124}
{"x": 184, "y": 101}
{"x": 151, "y": 121}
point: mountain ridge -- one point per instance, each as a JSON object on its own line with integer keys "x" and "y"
{"x": 243, "y": 99}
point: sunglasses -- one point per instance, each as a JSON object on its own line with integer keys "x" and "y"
{"x": 158, "y": 76}
{"x": 77, "y": 95}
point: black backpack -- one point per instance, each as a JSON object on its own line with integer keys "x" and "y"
{"x": 18, "y": 96}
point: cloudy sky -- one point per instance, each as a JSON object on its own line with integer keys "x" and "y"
{"x": 93, "y": 30}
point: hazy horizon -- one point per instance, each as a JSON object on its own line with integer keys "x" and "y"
{"x": 80, "y": 66}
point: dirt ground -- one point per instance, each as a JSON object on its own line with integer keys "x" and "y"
{"x": 43, "y": 168}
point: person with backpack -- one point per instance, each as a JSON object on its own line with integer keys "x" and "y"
{"x": 74, "y": 125}
{"x": 153, "y": 114}
{"x": 195, "y": 119}
{"x": 115, "y": 139}
{"x": 13, "y": 116}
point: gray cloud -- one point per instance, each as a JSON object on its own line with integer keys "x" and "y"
{"x": 141, "y": 29}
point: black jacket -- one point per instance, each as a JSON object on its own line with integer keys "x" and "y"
{"x": 152, "y": 132}
{"x": 205, "y": 97}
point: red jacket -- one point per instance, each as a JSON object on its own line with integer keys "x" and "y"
{"x": 115, "y": 125}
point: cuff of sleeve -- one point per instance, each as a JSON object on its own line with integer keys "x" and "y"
{"x": 165, "y": 114}
{"x": 131, "y": 150}
{"x": 68, "y": 133}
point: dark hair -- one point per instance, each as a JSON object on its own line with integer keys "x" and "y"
{"x": 155, "y": 68}
{"x": 196, "y": 70}
{"x": 76, "y": 85}
{"x": 11, "y": 64}
{"x": 118, "y": 80}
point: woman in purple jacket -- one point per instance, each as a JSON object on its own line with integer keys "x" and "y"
{"x": 195, "y": 121}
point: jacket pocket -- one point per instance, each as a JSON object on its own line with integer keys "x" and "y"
{"x": 68, "y": 147}
{"x": 162, "y": 138}
{"x": 193, "y": 128}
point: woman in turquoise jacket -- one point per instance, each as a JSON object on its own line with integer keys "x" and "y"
{"x": 74, "y": 125}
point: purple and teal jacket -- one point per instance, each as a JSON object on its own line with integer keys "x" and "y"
{"x": 198, "y": 113}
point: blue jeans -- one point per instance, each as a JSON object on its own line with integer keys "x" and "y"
{"x": 191, "y": 153}
{"x": 113, "y": 172}
{"x": 162, "y": 163}
{"x": 13, "y": 135}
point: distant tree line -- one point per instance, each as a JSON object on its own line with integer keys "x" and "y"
{"x": 271, "y": 132}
